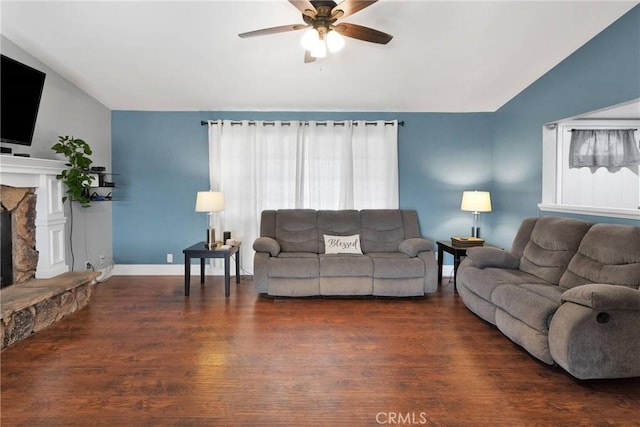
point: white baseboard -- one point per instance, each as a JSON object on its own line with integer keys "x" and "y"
{"x": 165, "y": 270}
{"x": 178, "y": 270}
{"x": 447, "y": 271}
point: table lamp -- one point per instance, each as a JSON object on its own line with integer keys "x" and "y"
{"x": 210, "y": 202}
{"x": 476, "y": 202}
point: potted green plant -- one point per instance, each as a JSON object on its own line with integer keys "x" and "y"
{"x": 77, "y": 176}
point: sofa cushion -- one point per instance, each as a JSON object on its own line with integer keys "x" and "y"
{"x": 553, "y": 243}
{"x": 407, "y": 287}
{"x": 344, "y": 265}
{"x": 482, "y": 282}
{"x": 347, "y": 286}
{"x": 381, "y": 230}
{"x": 396, "y": 265}
{"x": 338, "y": 223}
{"x": 532, "y": 304}
{"x": 297, "y": 230}
{"x": 283, "y": 255}
{"x": 532, "y": 340}
{"x": 296, "y": 265}
{"x": 480, "y": 306}
{"x": 294, "y": 286}
{"x": 523, "y": 235}
{"x": 608, "y": 253}
{"x": 410, "y": 224}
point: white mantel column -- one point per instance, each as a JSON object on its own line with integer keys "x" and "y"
{"x": 50, "y": 218}
{"x": 50, "y": 228}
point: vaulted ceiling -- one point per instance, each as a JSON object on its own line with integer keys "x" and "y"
{"x": 445, "y": 56}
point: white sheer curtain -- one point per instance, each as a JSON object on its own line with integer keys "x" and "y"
{"x": 320, "y": 165}
{"x": 326, "y": 166}
{"x": 375, "y": 165}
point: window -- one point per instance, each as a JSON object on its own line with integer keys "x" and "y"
{"x": 281, "y": 165}
{"x": 594, "y": 190}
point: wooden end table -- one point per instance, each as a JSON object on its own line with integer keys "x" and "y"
{"x": 199, "y": 250}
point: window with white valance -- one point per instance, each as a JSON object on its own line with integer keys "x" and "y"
{"x": 592, "y": 167}
{"x": 294, "y": 164}
{"x": 603, "y": 148}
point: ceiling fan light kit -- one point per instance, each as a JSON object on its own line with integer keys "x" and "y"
{"x": 310, "y": 38}
{"x": 323, "y": 33}
{"x": 317, "y": 45}
{"x": 319, "y": 50}
{"x": 335, "y": 42}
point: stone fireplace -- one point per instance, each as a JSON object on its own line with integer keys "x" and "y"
{"x": 19, "y": 254}
{"x": 44, "y": 291}
{"x": 30, "y": 190}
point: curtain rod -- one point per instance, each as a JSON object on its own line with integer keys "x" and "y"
{"x": 306, "y": 122}
{"x": 578, "y": 130}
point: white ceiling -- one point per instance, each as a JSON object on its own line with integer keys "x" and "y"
{"x": 446, "y": 56}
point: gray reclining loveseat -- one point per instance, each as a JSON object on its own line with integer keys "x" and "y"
{"x": 379, "y": 252}
{"x": 568, "y": 292}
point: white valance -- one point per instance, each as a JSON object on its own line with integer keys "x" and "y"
{"x": 603, "y": 147}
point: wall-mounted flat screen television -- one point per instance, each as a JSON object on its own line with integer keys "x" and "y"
{"x": 21, "y": 91}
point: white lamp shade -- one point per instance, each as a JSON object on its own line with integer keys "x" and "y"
{"x": 209, "y": 201}
{"x": 476, "y": 201}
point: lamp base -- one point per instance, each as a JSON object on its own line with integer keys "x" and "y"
{"x": 211, "y": 238}
{"x": 475, "y": 232}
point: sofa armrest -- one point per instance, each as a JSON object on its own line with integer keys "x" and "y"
{"x": 485, "y": 257}
{"x": 594, "y": 333}
{"x": 600, "y": 296}
{"x": 266, "y": 244}
{"x": 414, "y": 246}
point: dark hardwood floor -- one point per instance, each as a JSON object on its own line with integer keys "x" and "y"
{"x": 143, "y": 354}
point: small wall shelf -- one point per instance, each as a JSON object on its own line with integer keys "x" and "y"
{"x": 97, "y": 192}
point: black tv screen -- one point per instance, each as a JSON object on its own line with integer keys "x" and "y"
{"x": 21, "y": 91}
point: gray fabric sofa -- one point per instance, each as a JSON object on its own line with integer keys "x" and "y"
{"x": 291, "y": 260}
{"x": 568, "y": 292}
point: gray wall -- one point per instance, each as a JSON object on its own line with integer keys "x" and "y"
{"x": 67, "y": 110}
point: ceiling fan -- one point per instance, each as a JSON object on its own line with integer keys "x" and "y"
{"x": 320, "y": 17}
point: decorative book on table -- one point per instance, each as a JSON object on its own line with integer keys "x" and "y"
{"x": 467, "y": 242}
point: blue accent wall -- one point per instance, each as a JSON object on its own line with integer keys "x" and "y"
{"x": 604, "y": 72}
{"x": 162, "y": 157}
{"x": 162, "y": 161}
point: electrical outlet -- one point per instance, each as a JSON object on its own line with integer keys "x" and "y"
{"x": 169, "y": 258}
{"x": 88, "y": 266}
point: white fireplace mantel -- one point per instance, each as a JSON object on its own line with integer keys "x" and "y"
{"x": 41, "y": 174}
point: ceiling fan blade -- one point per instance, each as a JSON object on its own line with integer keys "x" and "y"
{"x": 363, "y": 33}
{"x": 273, "y": 30}
{"x": 349, "y": 7}
{"x": 308, "y": 58}
{"x": 305, "y": 7}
